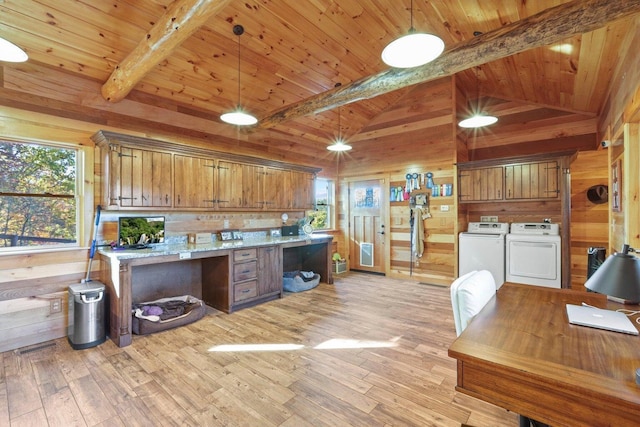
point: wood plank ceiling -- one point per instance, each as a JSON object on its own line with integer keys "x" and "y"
{"x": 290, "y": 51}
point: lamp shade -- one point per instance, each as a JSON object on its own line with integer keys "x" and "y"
{"x": 618, "y": 277}
{"x": 339, "y": 146}
{"x": 238, "y": 118}
{"x": 412, "y": 50}
{"x": 477, "y": 121}
{"x": 9, "y": 52}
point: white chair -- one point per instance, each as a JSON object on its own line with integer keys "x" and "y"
{"x": 469, "y": 294}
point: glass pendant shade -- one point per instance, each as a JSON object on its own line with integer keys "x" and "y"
{"x": 477, "y": 121}
{"x": 238, "y": 117}
{"x": 412, "y": 50}
{"x": 9, "y": 52}
{"x": 339, "y": 146}
{"x": 479, "y": 118}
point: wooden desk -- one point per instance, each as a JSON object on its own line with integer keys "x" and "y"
{"x": 203, "y": 271}
{"x": 521, "y": 353}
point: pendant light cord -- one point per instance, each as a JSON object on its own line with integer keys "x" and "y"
{"x": 238, "y": 70}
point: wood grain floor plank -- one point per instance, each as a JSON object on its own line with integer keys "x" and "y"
{"x": 22, "y": 388}
{"x": 91, "y": 400}
{"x": 62, "y": 410}
{"x": 369, "y": 351}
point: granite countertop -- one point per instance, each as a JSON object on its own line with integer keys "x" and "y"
{"x": 178, "y": 248}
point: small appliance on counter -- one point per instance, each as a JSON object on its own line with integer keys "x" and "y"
{"x": 289, "y": 230}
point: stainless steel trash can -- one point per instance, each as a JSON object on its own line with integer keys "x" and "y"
{"x": 86, "y": 315}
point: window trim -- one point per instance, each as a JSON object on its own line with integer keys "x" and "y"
{"x": 84, "y": 201}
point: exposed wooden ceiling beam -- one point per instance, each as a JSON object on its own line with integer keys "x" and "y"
{"x": 543, "y": 29}
{"x": 180, "y": 21}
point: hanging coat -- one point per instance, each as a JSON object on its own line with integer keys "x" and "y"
{"x": 417, "y": 244}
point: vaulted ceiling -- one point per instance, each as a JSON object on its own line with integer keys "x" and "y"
{"x": 291, "y": 51}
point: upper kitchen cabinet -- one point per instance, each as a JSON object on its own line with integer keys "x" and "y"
{"x": 143, "y": 173}
{"x": 194, "y": 180}
{"x": 277, "y": 182}
{"x": 508, "y": 180}
{"x": 137, "y": 178}
{"x": 302, "y": 188}
{"x": 537, "y": 180}
{"x": 480, "y": 184}
{"x": 240, "y": 185}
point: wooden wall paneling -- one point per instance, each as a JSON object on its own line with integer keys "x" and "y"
{"x": 631, "y": 184}
{"x": 27, "y": 321}
{"x": 589, "y": 221}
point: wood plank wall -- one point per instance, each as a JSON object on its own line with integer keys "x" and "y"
{"x": 415, "y": 135}
{"x": 589, "y": 221}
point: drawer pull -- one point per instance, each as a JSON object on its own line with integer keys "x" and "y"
{"x": 246, "y": 271}
{"x": 246, "y": 254}
{"x": 246, "y": 291}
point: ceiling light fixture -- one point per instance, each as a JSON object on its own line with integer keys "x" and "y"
{"x": 413, "y": 49}
{"x": 339, "y": 144}
{"x": 238, "y": 117}
{"x": 479, "y": 118}
{"x": 9, "y": 52}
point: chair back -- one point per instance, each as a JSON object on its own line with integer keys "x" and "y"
{"x": 469, "y": 294}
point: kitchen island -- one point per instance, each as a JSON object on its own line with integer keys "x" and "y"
{"x": 227, "y": 275}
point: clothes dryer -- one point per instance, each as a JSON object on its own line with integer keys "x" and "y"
{"x": 481, "y": 247}
{"x": 534, "y": 254}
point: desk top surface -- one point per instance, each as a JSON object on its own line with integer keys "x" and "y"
{"x": 173, "y": 249}
{"x": 525, "y": 328}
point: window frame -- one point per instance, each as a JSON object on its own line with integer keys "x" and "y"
{"x": 84, "y": 202}
{"x": 330, "y": 205}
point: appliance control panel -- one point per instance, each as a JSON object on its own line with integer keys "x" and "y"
{"x": 488, "y": 227}
{"x": 540, "y": 228}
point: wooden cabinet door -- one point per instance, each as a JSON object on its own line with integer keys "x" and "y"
{"x": 276, "y": 189}
{"x": 194, "y": 182}
{"x": 482, "y": 184}
{"x": 252, "y": 187}
{"x": 532, "y": 181}
{"x": 145, "y": 178}
{"x": 229, "y": 185}
{"x": 269, "y": 270}
{"x": 302, "y": 190}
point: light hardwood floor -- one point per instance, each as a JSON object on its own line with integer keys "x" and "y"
{"x": 366, "y": 351}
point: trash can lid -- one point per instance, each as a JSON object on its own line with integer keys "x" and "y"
{"x": 83, "y": 288}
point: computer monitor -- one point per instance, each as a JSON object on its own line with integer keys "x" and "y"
{"x": 140, "y": 231}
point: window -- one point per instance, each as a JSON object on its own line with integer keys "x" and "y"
{"x": 38, "y": 204}
{"x": 322, "y": 216}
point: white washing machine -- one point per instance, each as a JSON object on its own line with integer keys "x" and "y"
{"x": 481, "y": 247}
{"x": 533, "y": 254}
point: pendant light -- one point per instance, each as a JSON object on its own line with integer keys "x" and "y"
{"x": 479, "y": 118}
{"x": 413, "y": 49}
{"x": 339, "y": 144}
{"x": 9, "y": 52}
{"x": 238, "y": 117}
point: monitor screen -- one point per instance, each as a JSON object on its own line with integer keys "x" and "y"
{"x": 140, "y": 231}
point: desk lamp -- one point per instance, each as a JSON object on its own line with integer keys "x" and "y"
{"x": 618, "y": 277}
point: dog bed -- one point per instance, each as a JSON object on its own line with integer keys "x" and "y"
{"x": 165, "y": 313}
{"x": 298, "y": 281}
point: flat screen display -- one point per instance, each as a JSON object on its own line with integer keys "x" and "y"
{"x": 140, "y": 231}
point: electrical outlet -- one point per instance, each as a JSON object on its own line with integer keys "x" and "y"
{"x": 55, "y": 305}
{"x": 491, "y": 218}
{"x": 444, "y": 208}
{"x": 225, "y": 223}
